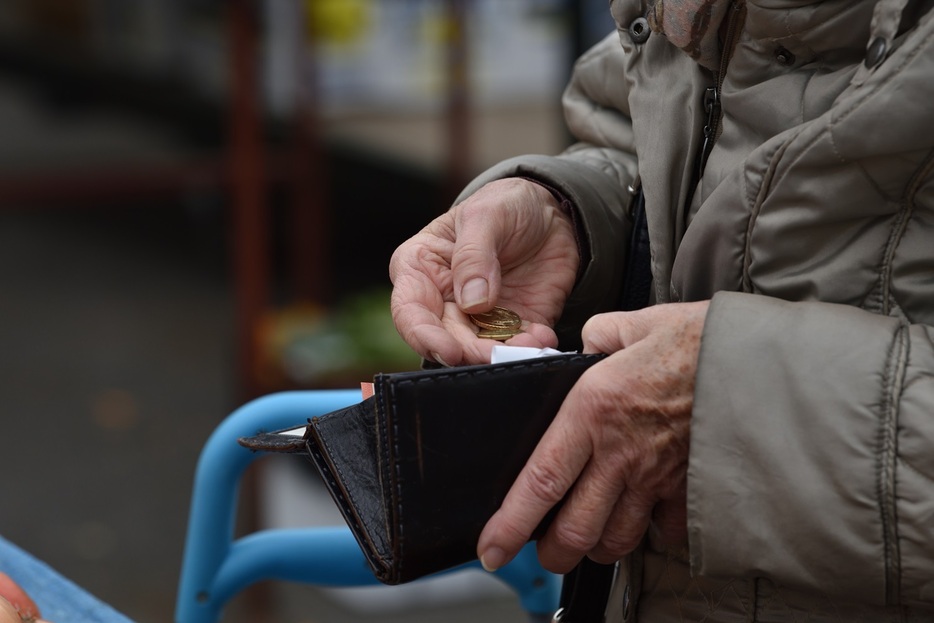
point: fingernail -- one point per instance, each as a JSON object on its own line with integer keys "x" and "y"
{"x": 492, "y": 559}
{"x": 437, "y": 359}
{"x": 475, "y": 292}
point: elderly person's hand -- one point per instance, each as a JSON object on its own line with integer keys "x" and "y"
{"x": 617, "y": 451}
{"x": 508, "y": 244}
{"x": 15, "y": 604}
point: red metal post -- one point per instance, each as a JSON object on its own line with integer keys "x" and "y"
{"x": 249, "y": 214}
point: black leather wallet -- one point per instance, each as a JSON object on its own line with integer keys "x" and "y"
{"x": 419, "y": 468}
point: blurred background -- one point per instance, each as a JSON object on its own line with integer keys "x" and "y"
{"x": 198, "y": 201}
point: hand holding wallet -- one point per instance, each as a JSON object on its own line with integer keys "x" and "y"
{"x": 419, "y": 468}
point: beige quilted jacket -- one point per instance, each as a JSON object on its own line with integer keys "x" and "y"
{"x": 811, "y": 475}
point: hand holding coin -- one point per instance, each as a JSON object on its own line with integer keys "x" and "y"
{"x": 497, "y": 324}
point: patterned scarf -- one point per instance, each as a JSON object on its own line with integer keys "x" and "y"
{"x": 692, "y": 25}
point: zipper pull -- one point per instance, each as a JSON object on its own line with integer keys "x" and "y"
{"x": 712, "y": 108}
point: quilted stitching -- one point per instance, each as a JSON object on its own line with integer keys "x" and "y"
{"x": 670, "y": 594}
{"x": 690, "y": 599}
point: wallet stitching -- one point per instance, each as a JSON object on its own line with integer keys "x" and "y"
{"x": 346, "y": 493}
{"x": 384, "y": 474}
{"x": 397, "y": 480}
{"x": 335, "y": 485}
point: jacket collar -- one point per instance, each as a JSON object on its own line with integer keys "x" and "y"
{"x": 692, "y": 25}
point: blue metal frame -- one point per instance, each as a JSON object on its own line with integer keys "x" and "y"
{"x": 216, "y": 567}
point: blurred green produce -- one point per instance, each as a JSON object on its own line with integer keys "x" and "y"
{"x": 309, "y": 346}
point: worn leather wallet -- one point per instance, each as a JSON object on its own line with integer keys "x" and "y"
{"x": 418, "y": 468}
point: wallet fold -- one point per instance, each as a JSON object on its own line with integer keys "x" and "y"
{"x": 419, "y": 468}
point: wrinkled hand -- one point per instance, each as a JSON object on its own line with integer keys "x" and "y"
{"x": 15, "y": 604}
{"x": 508, "y": 244}
{"x": 617, "y": 451}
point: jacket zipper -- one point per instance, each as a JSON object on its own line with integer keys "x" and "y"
{"x": 712, "y": 94}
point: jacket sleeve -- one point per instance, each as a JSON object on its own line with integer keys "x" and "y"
{"x": 594, "y": 174}
{"x": 829, "y": 411}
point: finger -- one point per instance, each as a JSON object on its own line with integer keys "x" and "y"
{"x": 417, "y": 309}
{"x": 476, "y": 270}
{"x": 580, "y": 523}
{"x": 475, "y": 350}
{"x": 420, "y": 273}
{"x": 487, "y": 223}
{"x": 625, "y": 527}
{"x": 536, "y": 335}
{"x": 613, "y": 331}
{"x": 427, "y": 336}
{"x": 554, "y": 466}
{"x": 481, "y": 226}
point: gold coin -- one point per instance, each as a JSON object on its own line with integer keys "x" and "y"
{"x": 497, "y": 318}
{"x": 500, "y": 335}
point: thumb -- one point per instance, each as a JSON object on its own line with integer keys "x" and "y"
{"x": 476, "y": 268}
{"x": 613, "y": 331}
{"x": 502, "y": 222}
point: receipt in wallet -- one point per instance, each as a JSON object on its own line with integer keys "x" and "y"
{"x": 503, "y": 354}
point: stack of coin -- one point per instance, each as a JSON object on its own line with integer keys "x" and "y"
{"x": 497, "y": 324}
